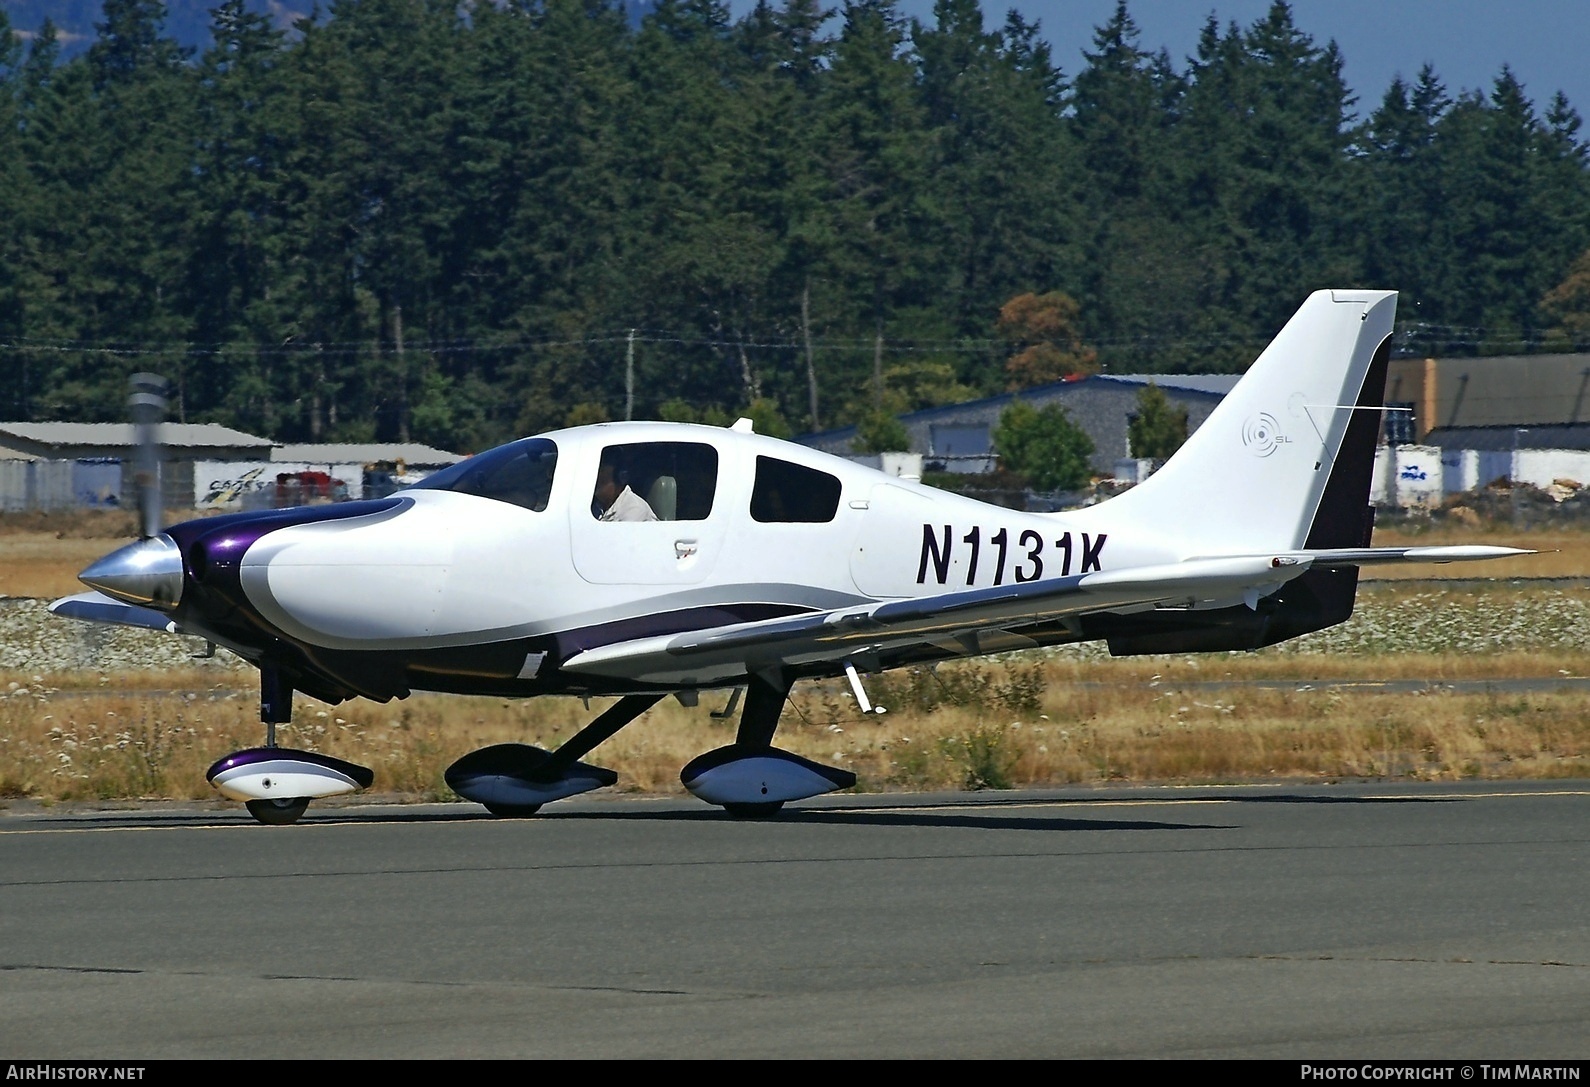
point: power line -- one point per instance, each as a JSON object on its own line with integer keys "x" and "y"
{"x": 1405, "y": 338}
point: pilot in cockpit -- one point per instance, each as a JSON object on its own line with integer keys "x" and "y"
{"x": 615, "y": 501}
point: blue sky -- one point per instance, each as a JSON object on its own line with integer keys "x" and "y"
{"x": 1546, "y": 42}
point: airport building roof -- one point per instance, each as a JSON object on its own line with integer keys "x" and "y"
{"x": 410, "y": 453}
{"x": 1099, "y": 403}
{"x": 72, "y": 440}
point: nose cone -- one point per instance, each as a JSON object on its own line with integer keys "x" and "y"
{"x": 148, "y": 573}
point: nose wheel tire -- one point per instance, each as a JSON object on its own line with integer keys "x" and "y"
{"x": 278, "y": 813}
{"x": 765, "y": 809}
{"x": 512, "y": 811}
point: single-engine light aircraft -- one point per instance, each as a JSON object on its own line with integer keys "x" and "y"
{"x": 647, "y": 559}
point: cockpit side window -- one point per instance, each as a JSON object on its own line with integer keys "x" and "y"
{"x": 520, "y": 473}
{"x": 788, "y": 493}
{"x": 656, "y": 481}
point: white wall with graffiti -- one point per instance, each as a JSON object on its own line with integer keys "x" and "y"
{"x": 251, "y": 485}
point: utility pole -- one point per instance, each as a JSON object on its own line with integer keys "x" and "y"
{"x": 806, "y": 336}
{"x": 629, "y": 379}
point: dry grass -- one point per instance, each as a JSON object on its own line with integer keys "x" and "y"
{"x": 1562, "y": 552}
{"x": 41, "y": 553}
{"x": 974, "y": 725}
{"x": 42, "y": 566}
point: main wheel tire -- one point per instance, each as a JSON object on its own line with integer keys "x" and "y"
{"x": 278, "y": 813}
{"x": 512, "y": 811}
{"x": 762, "y": 809}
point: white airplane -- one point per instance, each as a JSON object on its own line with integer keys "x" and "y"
{"x": 763, "y": 563}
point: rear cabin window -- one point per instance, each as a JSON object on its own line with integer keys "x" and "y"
{"x": 788, "y": 493}
{"x": 676, "y": 480}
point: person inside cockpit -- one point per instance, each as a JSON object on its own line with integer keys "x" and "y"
{"x": 615, "y": 501}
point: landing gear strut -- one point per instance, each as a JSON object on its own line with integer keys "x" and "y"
{"x": 750, "y": 778}
{"x": 277, "y": 783}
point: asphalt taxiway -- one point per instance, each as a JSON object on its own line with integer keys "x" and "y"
{"x": 1354, "y": 920}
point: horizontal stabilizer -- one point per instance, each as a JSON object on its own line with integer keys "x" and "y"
{"x": 1377, "y": 556}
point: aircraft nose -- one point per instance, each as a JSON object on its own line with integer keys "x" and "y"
{"x": 148, "y": 573}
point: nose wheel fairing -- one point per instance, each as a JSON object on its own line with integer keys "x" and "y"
{"x": 272, "y": 773}
{"x": 277, "y": 783}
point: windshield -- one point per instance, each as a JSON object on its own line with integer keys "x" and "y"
{"x": 520, "y": 473}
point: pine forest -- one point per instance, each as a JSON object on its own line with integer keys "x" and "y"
{"x": 461, "y": 223}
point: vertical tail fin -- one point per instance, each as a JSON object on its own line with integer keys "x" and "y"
{"x": 1285, "y": 460}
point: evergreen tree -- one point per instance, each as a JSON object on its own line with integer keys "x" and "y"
{"x": 232, "y": 238}
{"x": 710, "y": 248}
{"x": 1157, "y": 429}
{"x": 1263, "y": 142}
{"x": 129, "y": 45}
{"x": 874, "y": 141}
{"x": 1141, "y": 284}
{"x": 1001, "y": 184}
{"x": 549, "y": 207}
{"x": 107, "y": 145}
{"x": 13, "y": 210}
{"x": 785, "y": 57}
{"x": 415, "y": 218}
{"x": 1401, "y": 226}
{"x": 1512, "y": 233}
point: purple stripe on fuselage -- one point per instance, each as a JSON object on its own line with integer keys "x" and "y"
{"x": 706, "y": 617}
{"x": 213, "y": 547}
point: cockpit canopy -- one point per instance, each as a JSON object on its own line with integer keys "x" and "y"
{"x": 519, "y": 472}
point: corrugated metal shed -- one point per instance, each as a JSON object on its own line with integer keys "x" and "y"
{"x": 1454, "y": 395}
{"x": 1509, "y": 438}
{"x": 80, "y": 446}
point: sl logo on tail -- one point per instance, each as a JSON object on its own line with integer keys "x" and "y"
{"x": 1262, "y": 434}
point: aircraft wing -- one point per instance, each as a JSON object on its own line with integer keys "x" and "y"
{"x": 957, "y": 620}
{"x": 99, "y": 608}
{"x": 977, "y": 620}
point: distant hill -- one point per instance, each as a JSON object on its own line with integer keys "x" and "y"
{"x": 187, "y": 21}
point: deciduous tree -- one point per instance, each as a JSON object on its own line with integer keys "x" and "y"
{"x": 1045, "y": 446}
